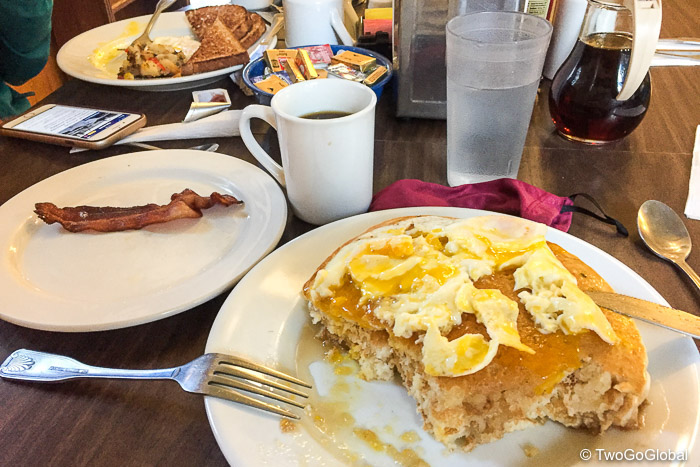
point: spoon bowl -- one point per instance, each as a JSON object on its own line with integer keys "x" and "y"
{"x": 663, "y": 231}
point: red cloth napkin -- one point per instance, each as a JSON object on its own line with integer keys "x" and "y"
{"x": 505, "y": 195}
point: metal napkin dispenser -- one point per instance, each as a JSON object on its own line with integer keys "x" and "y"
{"x": 419, "y": 51}
{"x": 419, "y": 58}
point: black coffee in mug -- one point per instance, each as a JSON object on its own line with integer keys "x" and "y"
{"x": 326, "y": 115}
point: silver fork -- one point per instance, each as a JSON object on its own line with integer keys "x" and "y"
{"x": 211, "y": 147}
{"x": 145, "y": 38}
{"x": 212, "y": 374}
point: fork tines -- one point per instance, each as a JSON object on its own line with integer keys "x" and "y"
{"x": 229, "y": 373}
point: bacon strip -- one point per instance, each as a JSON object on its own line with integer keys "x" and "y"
{"x": 186, "y": 204}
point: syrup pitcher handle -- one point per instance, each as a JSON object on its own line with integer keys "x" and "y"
{"x": 646, "y": 15}
{"x": 339, "y": 28}
{"x": 265, "y": 113}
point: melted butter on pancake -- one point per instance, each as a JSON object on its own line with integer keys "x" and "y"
{"x": 416, "y": 279}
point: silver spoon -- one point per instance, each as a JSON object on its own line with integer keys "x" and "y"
{"x": 665, "y": 234}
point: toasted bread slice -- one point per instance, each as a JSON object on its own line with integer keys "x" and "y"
{"x": 257, "y": 28}
{"x": 225, "y": 33}
{"x": 239, "y": 23}
{"x": 219, "y": 49}
{"x": 247, "y": 27}
{"x": 232, "y": 16}
{"x": 576, "y": 379}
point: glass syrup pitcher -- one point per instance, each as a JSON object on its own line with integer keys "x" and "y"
{"x": 602, "y": 91}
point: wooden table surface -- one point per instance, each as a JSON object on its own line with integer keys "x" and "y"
{"x": 95, "y": 422}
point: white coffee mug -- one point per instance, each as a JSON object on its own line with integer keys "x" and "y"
{"x": 312, "y": 22}
{"x": 327, "y": 165}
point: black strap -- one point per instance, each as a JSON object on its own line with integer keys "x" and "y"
{"x": 621, "y": 229}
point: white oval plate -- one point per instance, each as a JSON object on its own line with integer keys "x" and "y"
{"x": 264, "y": 316}
{"x": 72, "y": 58}
{"x": 56, "y": 280}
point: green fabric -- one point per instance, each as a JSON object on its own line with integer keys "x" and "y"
{"x": 25, "y": 38}
{"x": 12, "y": 102}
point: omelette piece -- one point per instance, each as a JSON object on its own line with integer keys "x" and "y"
{"x": 110, "y": 56}
{"x": 486, "y": 323}
{"x": 151, "y": 61}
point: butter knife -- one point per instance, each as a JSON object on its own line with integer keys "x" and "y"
{"x": 669, "y": 318}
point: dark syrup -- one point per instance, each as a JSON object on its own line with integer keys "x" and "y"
{"x": 582, "y": 97}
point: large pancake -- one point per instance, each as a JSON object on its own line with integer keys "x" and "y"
{"x": 578, "y": 380}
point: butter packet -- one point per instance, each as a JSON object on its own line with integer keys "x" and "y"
{"x": 354, "y": 60}
{"x": 319, "y": 54}
{"x": 275, "y": 58}
{"x": 293, "y": 71}
{"x": 375, "y": 75}
{"x": 303, "y": 62}
{"x": 272, "y": 84}
{"x": 343, "y": 71}
{"x": 281, "y": 75}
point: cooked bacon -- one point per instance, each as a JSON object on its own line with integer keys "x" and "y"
{"x": 186, "y": 204}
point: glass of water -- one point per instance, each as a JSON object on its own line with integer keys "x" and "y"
{"x": 494, "y": 65}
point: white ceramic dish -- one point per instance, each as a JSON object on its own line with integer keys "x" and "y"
{"x": 264, "y": 318}
{"x": 73, "y": 59}
{"x": 56, "y": 280}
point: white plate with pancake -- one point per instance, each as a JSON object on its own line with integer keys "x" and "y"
{"x": 74, "y": 57}
{"x": 56, "y": 280}
{"x": 265, "y": 319}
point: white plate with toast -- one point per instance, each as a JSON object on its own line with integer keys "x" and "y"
{"x": 56, "y": 280}
{"x": 74, "y": 58}
{"x": 265, "y": 318}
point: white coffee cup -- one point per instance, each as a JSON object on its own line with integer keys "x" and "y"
{"x": 327, "y": 165}
{"x": 311, "y": 22}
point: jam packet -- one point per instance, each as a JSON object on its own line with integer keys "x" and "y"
{"x": 206, "y": 103}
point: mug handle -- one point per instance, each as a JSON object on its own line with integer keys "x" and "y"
{"x": 265, "y": 113}
{"x": 339, "y": 27}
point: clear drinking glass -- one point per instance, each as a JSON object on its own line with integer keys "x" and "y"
{"x": 494, "y": 65}
{"x": 462, "y": 7}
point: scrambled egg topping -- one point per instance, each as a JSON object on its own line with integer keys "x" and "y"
{"x": 419, "y": 277}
